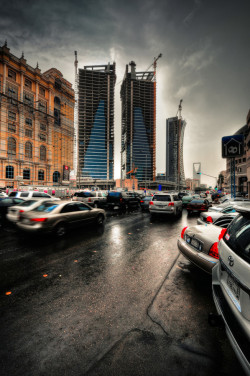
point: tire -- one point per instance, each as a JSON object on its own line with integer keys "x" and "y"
{"x": 100, "y": 220}
{"x": 60, "y": 230}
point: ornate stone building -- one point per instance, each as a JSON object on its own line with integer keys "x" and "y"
{"x": 36, "y": 123}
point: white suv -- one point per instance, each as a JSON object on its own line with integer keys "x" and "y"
{"x": 27, "y": 195}
{"x": 165, "y": 203}
{"x": 231, "y": 285}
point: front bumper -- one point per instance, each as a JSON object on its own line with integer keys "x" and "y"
{"x": 200, "y": 259}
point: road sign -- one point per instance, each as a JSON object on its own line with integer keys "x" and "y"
{"x": 233, "y": 146}
{"x": 159, "y": 187}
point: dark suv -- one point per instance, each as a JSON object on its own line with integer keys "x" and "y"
{"x": 122, "y": 201}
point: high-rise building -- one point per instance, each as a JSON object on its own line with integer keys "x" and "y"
{"x": 95, "y": 138}
{"x": 36, "y": 124}
{"x": 138, "y": 140}
{"x": 174, "y": 151}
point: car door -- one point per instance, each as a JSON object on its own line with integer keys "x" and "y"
{"x": 71, "y": 214}
{"x": 87, "y": 214}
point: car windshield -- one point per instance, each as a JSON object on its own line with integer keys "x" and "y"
{"x": 197, "y": 201}
{"x": 162, "y": 198}
{"x": 46, "y": 207}
{"x": 114, "y": 194}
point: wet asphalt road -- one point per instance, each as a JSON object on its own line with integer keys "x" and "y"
{"x": 119, "y": 300}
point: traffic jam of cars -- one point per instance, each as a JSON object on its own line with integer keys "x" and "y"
{"x": 219, "y": 244}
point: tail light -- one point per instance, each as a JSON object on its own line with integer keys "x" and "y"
{"x": 171, "y": 204}
{"x": 89, "y": 200}
{"x": 223, "y": 231}
{"x": 213, "y": 251}
{"x": 120, "y": 199}
{"x": 151, "y": 203}
{"x": 183, "y": 232}
{"x": 141, "y": 201}
{"x": 21, "y": 211}
{"x": 38, "y": 219}
{"x": 209, "y": 219}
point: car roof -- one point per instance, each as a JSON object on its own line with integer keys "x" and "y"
{"x": 243, "y": 210}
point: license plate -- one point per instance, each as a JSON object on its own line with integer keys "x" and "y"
{"x": 195, "y": 243}
{"x": 234, "y": 287}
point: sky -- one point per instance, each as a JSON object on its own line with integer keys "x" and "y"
{"x": 205, "y": 60}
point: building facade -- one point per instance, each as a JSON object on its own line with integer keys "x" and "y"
{"x": 174, "y": 151}
{"x": 241, "y": 164}
{"x": 138, "y": 139}
{"x": 36, "y": 123}
{"x": 96, "y": 122}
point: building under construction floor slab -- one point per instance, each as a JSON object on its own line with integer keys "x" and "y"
{"x": 138, "y": 141}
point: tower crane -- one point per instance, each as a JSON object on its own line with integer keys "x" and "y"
{"x": 154, "y": 64}
{"x": 179, "y": 109}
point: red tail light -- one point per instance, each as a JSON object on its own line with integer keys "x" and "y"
{"x": 209, "y": 219}
{"x": 89, "y": 200}
{"x": 120, "y": 199}
{"x": 223, "y": 231}
{"x": 142, "y": 201}
{"x": 38, "y": 219}
{"x": 21, "y": 211}
{"x": 213, "y": 252}
{"x": 151, "y": 203}
{"x": 183, "y": 232}
{"x": 171, "y": 204}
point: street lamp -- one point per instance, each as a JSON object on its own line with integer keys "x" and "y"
{"x": 202, "y": 173}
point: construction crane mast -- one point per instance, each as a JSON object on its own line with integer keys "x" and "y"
{"x": 179, "y": 109}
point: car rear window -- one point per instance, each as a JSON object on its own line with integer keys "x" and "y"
{"x": 114, "y": 194}
{"x": 162, "y": 198}
{"x": 46, "y": 207}
{"x": 27, "y": 203}
{"x": 238, "y": 236}
{"x": 13, "y": 194}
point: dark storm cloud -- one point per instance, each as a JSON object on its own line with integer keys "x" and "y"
{"x": 205, "y": 47}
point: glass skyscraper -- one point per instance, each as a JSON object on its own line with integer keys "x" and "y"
{"x": 96, "y": 121}
{"x": 138, "y": 124}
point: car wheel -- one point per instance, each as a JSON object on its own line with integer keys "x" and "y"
{"x": 60, "y": 230}
{"x": 95, "y": 205}
{"x": 100, "y": 220}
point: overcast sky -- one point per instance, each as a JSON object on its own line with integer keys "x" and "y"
{"x": 205, "y": 62}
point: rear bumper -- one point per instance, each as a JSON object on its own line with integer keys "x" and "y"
{"x": 200, "y": 259}
{"x": 236, "y": 335}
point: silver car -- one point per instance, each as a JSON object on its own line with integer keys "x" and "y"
{"x": 199, "y": 244}
{"x": 14, "y": 212}
{"x": 165, "y": 203}
{"x": 59, "y": 217}
{"x": 231, "y": 285}
{"x": 211, "y": 216}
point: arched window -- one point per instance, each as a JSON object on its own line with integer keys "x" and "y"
{"x": 28, "y": 149}
{"x": 9, "y": 174}
{"x": 42, "y": 153}
{"x": 26, "y": 173}
{"x": 56, "y": 176}
{"x": 41, "y": 175}
{"x": 11, "y": 146}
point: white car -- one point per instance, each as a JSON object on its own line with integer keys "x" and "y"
{"x": 27, "y": 195}
{"x": 13, "y": 214}
{"x": 231, "y": 285}
{"x": 165, "y": 203}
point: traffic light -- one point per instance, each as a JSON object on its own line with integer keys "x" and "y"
{"x": 66, "y": 171}
{"x": 198, "y": 173}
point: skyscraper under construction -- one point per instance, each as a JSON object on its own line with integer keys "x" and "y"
{"x": 95, "y": 131}
{"x": 138, "y": 140}
{"x": 174, "y": 151}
